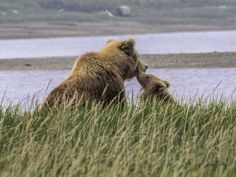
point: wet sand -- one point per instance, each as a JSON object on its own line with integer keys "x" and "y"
{"x": 64, "y": 29}
{"x": 206, "y": 60}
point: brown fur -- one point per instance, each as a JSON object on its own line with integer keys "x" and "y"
{"x": 99, "y": 76}
{"x": 154, "y": 87}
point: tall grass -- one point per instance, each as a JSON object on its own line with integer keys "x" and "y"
{"x": 147, "y": 139}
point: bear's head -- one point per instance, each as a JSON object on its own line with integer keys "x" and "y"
{"x": 124, "y": 56}
{"x": 155, "y": 88}
{"x": 152, "y": 83}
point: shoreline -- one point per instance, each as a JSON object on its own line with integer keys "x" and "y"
{"x": 200, "y": 60}
{"x": 31, "y": 30}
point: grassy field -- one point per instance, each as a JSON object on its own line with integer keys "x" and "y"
{"x": 95, "y": 5}
{"x": 148, "y": 139}
{"x": 78, "y": 10}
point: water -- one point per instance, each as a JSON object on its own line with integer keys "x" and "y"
{"x": 184, "y": 42}
{"x": 23, "y": 87}
{"x": 192, "y": 84}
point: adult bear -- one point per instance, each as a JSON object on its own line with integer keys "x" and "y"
{"x": 99, "y": 76}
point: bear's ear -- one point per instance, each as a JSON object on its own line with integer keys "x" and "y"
{"x": 127, "y": 46}
{"x": 159, "y": 87}
{"x": 167, "y": 83}
{"x": 109, "y": 40}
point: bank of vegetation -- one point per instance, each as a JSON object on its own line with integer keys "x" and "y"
{"x": 149, "y": 139}
{"x": 93, "y": 10}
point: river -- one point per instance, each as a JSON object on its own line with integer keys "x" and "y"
{"x": 163, "y": 43}
{"x": 187, "y": 84}
{"x": 25, "y": 87}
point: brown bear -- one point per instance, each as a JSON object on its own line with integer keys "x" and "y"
{"x": 154, "y": 88}
{"x": 99, "y": 76}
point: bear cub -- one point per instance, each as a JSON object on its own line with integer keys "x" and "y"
{"x": 154, "y": 88}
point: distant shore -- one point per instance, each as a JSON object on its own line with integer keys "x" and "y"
{"x": 206, "y": 60}
{"x": 64, "y": 29}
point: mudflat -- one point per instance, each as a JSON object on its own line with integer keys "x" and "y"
{"x": 62, "y": 29}
{"x": 202, "y": 60}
